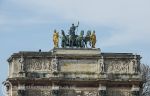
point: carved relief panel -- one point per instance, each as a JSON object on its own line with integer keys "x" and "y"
{"x": 118, "y": 66}
{"x": 123, "y": 65}
{"x": 38, "y": 65}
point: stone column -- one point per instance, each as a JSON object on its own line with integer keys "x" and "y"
{"x": 102, "y": 90}
{"x": 21, "y": 60}
{"x": 135, "y": 65}
{"x": 12, "y": 69}
{"x": 54, "y": 63}
{"x": 21, "y": 66}
{"x": 101, "y": 65}
{"x": 135, "y": 90}
{"x": 55, "y": 90}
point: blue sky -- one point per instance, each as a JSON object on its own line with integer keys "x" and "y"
{"x": 120, "y": 25}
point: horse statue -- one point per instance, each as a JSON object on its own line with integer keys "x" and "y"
{"x": 87, "y": 38}
{"x": 74, "y": 40}
{"x": 68, "y": 40}
{"x": 63, "y": 39}
{"x": 80, "y": 40}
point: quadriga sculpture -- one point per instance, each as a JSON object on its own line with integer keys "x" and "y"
{"x": 73, "y": 40}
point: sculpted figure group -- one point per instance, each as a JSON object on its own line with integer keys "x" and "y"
{"x": 74, "y": 40}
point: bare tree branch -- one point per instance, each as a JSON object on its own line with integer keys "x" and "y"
{"x": 145, "y": 70}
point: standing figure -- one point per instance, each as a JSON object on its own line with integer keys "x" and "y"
{"x": 72, "y": 29}
{"x": 22, "y": 63}
{"x": 55, "y": 39}
{"x": 93, "y": 39}
{"x": 72, "y": 35}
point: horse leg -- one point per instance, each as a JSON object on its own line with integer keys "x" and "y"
{"x": 72, "y": 43}
{"x": 82, "y": 43}
{"x": 90, "y": 43}
{"x": 69, "y": 42}
{"x": 78, "y": 43}
{"x": 62, "y": 44}
{"x": 86, "y": 44}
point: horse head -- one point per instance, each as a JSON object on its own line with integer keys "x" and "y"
{"x": 62, "y": 32}
{"x": 82, "y": 33}
{"x": 88, "y": 33}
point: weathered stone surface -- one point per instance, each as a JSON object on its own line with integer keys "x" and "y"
{"x": 77, "y": 51}
{"x": 79, "y": 65}
{"x": 75, "y": 72}
{"x": 119, "y": 91}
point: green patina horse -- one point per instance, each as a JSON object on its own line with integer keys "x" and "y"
{"x": 80, "y": 40}
{"x": 68, "y": 40}
{"x": 73, "y": 40}
{"x": 87, "y": 38}
{"x": 63, "y": 39}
